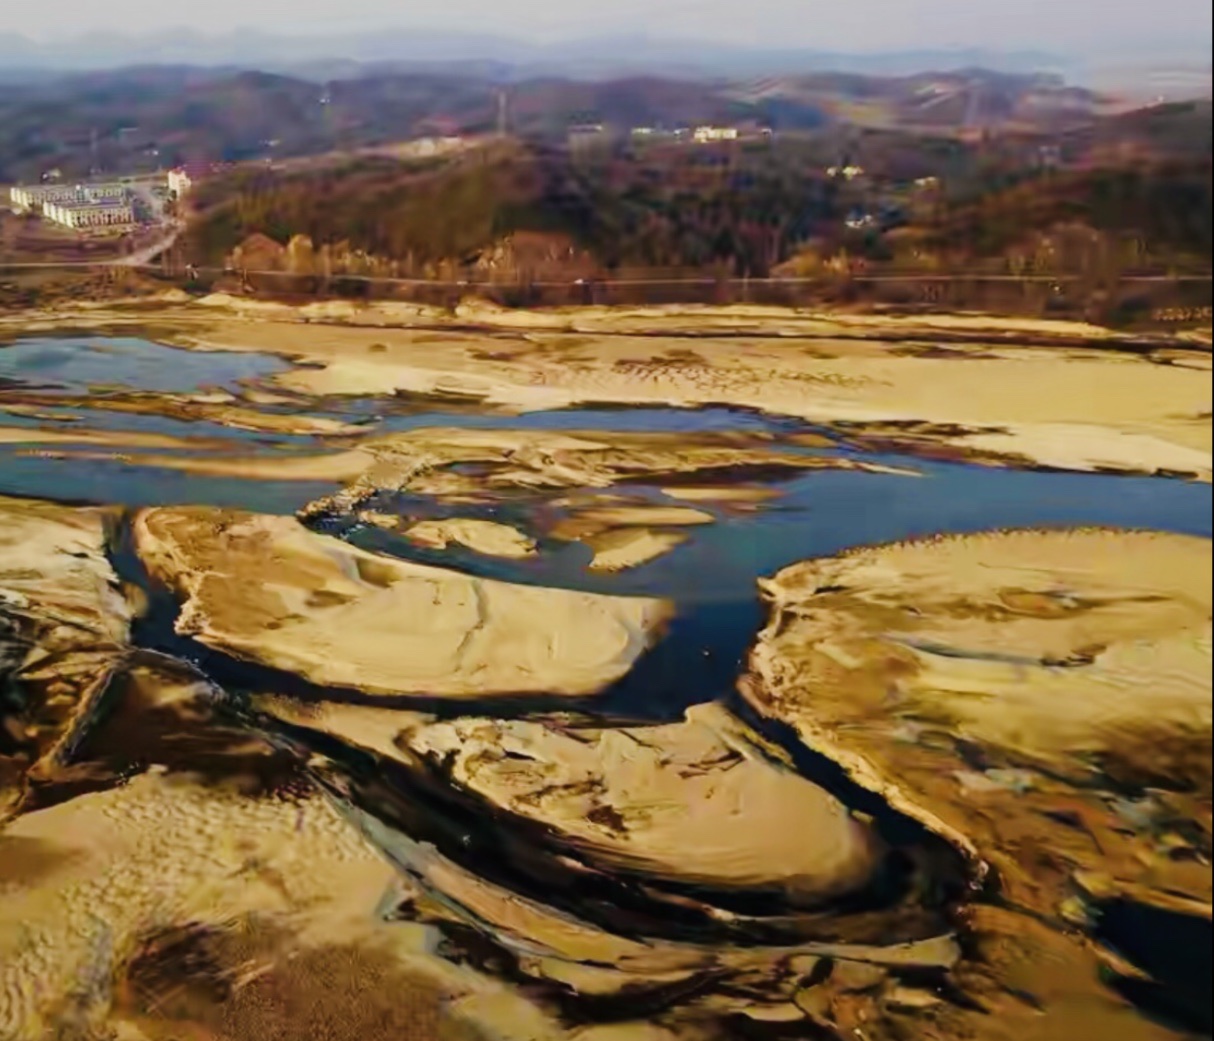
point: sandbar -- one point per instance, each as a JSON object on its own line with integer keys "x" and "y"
{"x": 630, "y": 547}
{"x": 690, "y": 801}
{"x": 268, "y": 590}
{"x": 481, "y": 536}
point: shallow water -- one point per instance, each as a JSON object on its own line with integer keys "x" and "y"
{"x": 711, "y": 577}
{"x": 90, "y": 362}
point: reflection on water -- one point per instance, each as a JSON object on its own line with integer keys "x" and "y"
{"x": 83, "y": 363}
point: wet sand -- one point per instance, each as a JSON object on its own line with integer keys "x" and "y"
{"x": 63, "y": 628}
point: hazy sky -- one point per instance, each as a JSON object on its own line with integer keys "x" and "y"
{"x": 1050, "y": 25}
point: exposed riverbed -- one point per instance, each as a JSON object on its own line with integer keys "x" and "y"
{"x": 433, "y": 685}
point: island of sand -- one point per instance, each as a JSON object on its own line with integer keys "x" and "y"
{"x": 267, "y": 590}
{"x": 480, "y": 536}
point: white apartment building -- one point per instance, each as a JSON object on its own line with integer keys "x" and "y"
{"x": 704, "y": 135}
{"x": 89, "y": 214}
{"x": 35, "y": 196}
{"x": 179, "y": 181}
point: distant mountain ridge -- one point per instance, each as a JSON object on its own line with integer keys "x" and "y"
{"x": 334, "y": 56}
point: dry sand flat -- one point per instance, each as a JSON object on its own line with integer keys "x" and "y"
{"x": 481, "y": 536}
{"x": 1077, "y": 661}
{"x": 268, "y": 590}
{"x": 1077, "y": 407}
{"x": 1060, "y": 395}
{"x": 63, "y": 626}
{"x": 165, "y": 909}
{"x": 692, "y": 801}
{"x": 215, "y": 894}
{"x": 1043, "y": 698}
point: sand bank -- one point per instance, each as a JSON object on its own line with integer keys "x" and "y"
{"x": 115, "y": 438}
{"x": 608, "y": 955}
{"x": 218, "y": 407}
{"x": 197, "y": 884}
{"x": 1081, "y": 409}
{"x": 166, "y": 909}
{"x": 63, "y": 627}
{"x": 480, "y": 536}
{"x": 268, "y": 590}
{"x": 1074, "y": 395}
{"x": 656, "y": 319}
{"x": 1077, "y": 661}
{"x": 1042, "y": 698}
{"x": 625, "y": 548}
{"x": 694, "y": 801}
{"x": 456, "y": 463}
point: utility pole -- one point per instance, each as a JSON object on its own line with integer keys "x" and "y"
{"x": 503, "y": 112}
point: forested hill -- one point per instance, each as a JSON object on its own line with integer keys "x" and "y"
{"x": 685, "y": 212}
{"x": 743, "y": 211}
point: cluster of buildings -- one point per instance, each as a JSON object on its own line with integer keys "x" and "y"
{"x": 585, "y": 135}
{"x": 79, "y": 206}
{"x": 701, "y": 135}
{"x": 708, "y": 135}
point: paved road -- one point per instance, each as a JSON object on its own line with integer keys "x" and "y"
{"x": 143, "y": 257}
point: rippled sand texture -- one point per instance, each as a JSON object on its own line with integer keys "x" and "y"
{"x": 1044, "y": 695}
{"x": 983, "y": 387}
{"x": 176, "y": 871}
{"x": 267, "y": 590}
{"x": 963, "y": 790}
{"x": 641, "y": 798}
{"x": 192, "y": 862}
{"x": 63, "y": 628}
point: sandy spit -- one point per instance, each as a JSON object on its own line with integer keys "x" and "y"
{"x": 690, "y": 801}
{"x": 267, "y": 589}
{"x": 630, "y": 547}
